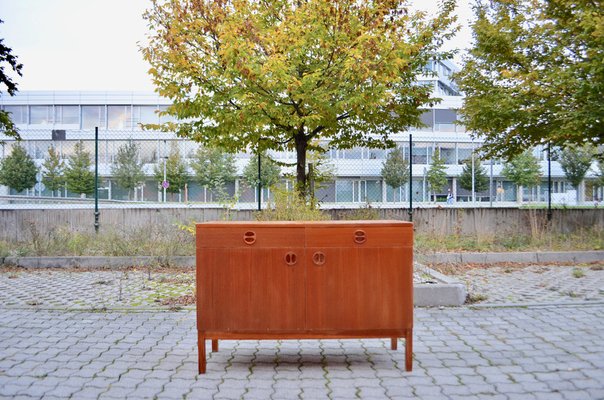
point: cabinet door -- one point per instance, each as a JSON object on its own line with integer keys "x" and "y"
{"x": 251, "y": 289}
{"x": 356, "y": 287}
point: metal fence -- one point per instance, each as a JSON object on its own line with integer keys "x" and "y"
{"x": 165, "y": 169}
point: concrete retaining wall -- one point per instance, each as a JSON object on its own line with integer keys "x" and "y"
{"x": 18, "y": 224}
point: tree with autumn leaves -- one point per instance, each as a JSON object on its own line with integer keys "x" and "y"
{"x": 535, "y": 75}
{"x": 278, "y": 75}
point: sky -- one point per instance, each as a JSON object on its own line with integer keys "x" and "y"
{"x": 93, "y": 44}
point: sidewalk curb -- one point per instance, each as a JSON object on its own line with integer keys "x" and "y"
{"x": 446, "y": 291}
{"x": 513, "y": 257}
{"x": 98, "y": 261}
{"x": 189, "y": 261}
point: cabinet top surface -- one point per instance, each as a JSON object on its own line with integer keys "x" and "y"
{"x": 323, "y": 224}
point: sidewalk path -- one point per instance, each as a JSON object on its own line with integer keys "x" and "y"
{"x": 534, "y": 283}
{"x": 535, "y": 353}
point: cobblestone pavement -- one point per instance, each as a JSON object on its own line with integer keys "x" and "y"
{"x": 459, "y": 353}
{"x": 58, "y": 342}
{"x": 86, "y": 289}
{"x": 98, "y": 289}
{"x": 536, "y": 283}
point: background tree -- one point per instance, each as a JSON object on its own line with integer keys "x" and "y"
{"x": 575, "y": 162}
{"x": 523, "y": 170}
{"x": 395, "y": 169}
{"x": 437, "y": 174}
{"x": 18, "y": 170}
{"x": 481, "y": 179}
{"x": 53, "y": 171}
{"x": 214, "y": 168}
{"x": 270, "y": 172}
{"x": 323, "y": 172}
{"x": 284, "y": 73}
{"x": 7, "y": 127}
{"x": 535, "y": 75}
{"x": 128, "y": 167}
{"x": 176, "y": 170}
{"x": 78, "y": 176}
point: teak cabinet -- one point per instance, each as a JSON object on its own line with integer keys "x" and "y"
{"x": 304, "y": 280}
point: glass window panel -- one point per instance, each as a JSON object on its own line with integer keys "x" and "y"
{"x": 447, "y": 153}
{"x": 373, "y": 191}
{"x": 145, "y": 115}
{"x": 93, "y": 116}
{"x": 18, "y": 114}
{"x": 327, "y": 193}
{"x": 420, "y": 153}
{"x": 464, "y": 152}
{"x": 427, "y": 119}
{"x": 67, "y": 114}
{"x": 118, "y": 117}
{"x": 355, "y": 153}
{"x": 445, "y": 120}
{"x": 344, "y": 191}
{"x": 40, "y": 115}
{"x": 445, "y": 116}
{"x": 379, "y": 154}
{"x": 396, "y": 194}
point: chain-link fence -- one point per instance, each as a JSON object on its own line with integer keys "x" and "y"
{"x": 138, "y": 168}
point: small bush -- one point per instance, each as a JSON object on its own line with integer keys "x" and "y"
{"x": 288, "y": 206}
{"x": 364, "y": 213}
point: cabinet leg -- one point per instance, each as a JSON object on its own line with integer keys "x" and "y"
{"x": 201, "y": 346}
{"x": 214, "y": 345}
{"x": 394, "y": 343}
{"x": 409, "y": 350}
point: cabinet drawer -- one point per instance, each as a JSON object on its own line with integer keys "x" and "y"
{"x": 248, "y": 236}
{"x": 363, "y": 236}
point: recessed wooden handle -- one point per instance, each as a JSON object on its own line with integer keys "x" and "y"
{"x": 249, "y": 237}
{"x": 291, "y": 258}
{"x": 318, "y": 258}
{"x": 360, "y": 236}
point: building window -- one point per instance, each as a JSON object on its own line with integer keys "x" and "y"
{"x": 93, "y": 116}
{"x": 447, "y": 153}
{"x": 40, "y": 115}
{"x": 444, "y": 120}
{"x": 69, "y": 115}
{"x": 427, "y": 119}
{"x": 345, "y": 191}
{"x": 18, "y": 114}
{"x": 118, "y": 117}
{"x": 144, "y": 115}
{"x": 358, "y": 191}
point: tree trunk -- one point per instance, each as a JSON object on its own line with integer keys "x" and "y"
{"x": 301, "y": 146}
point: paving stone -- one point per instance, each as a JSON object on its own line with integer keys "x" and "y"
{"x": 519, "y": 351}
{"x": 286, "y": 393}
{"x": 88, "y": 393}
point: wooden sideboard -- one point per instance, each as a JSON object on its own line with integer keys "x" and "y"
{"x": 304, "y": 280}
